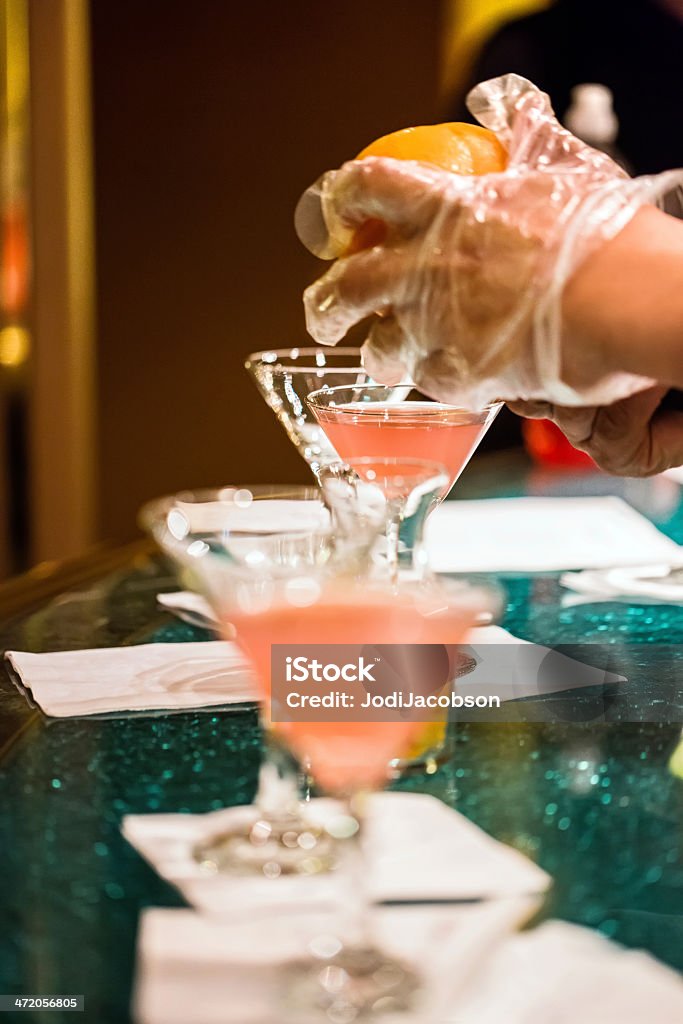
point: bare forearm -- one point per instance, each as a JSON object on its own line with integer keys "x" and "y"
{"x": 623, "y": 309}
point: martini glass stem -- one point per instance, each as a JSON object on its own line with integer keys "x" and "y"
{"x": 356, "y": 930}
{"x": 403, "y": 534}
{"x": 277, "y": 795}
{"x": 393, "y": 537}
{"x": 351, "y": 976}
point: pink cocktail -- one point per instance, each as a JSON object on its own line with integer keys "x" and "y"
{"x": 349, "y": 755}
{"x": 360, "y": 422}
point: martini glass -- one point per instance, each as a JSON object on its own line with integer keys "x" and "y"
{"x": 364, "y": 419}
{"x": 240, "y": 528}
{"x": 285, "y": 377}
{"x": 306, "y": 586}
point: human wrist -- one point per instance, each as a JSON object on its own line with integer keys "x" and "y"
{"x": 623, "y": 307}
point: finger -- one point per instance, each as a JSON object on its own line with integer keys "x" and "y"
{"x": 355, "y": 287}
{"x": 309, "y": 220}
{"x": 576, "y": 423}
{"x": 621, "y": 441}
{"x": 442, "y": 374}
{"x": 666, "y": 442}
{"x": 385, "y": 352}
{"x": 403, "y": 193}
{"x": 495, "y": 103}
{"x": 532, "y": 410}
{"x": 522, "y": 117}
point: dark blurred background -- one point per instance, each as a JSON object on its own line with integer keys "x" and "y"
{"x": 152, "y": 155}
{"x": 210, "y": 119}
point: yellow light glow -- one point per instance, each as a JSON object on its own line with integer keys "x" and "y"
{"x": 15, "y": 345}
{"x": 676, "y": 760}
{"x": 467, "y": 25}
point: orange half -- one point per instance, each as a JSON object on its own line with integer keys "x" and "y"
{"x": 453, "y": 146}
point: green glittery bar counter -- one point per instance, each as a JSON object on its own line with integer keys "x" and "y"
{"x": 598, "y": 807}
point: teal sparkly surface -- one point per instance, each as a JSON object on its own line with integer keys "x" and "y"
{"x": 596, "y": 806}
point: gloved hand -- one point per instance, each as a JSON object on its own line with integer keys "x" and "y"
{"x": 469, "y": 283}
{"x": 636, "y": 436}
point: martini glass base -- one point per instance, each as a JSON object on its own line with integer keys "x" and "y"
{"x": 281, "y": 845}
{"x": 355, "y": 985}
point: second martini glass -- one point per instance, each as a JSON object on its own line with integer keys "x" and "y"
{"x": 285, "y": 377}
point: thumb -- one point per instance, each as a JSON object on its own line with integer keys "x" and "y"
{"x": 522, "y": 117}
{"x": 494, "y": 103}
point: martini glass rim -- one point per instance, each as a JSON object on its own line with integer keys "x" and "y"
{"x": 316, "y": 400}
{"x": 285, "y": 354}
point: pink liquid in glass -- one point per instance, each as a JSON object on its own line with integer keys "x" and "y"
{"x": 348, "y": 756}
{"x": 410, "y": 430}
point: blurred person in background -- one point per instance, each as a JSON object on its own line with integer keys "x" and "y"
{"x": 634, "y": 47}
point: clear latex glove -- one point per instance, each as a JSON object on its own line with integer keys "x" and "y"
{"x": 469, "y": 282}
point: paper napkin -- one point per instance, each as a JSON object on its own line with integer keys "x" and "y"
{"x": 570, "y": 975}
{"x": 149, "y": 677}
{"x": 543, "y": 534}
{"x": 417, "y": 849}
{"x": 192, "y": 969}
{"x": 658, "y": 583}
{"x": 138, "y": 678}
{"x": 473, "y": 970}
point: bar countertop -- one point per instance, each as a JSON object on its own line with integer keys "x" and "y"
{"x": 598, "y": 807}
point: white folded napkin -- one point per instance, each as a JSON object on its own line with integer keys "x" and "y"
{"x": 570, "y": 975}
{"x": 543, "y": 534}
{"x": 658, "y": 583}
{"x": 138, "y": 678}
{"x": 417, "y": 849}
{"x": 189, "y": 607}
{"x": 473, "y": 970}
{"x": 149, "y": 677}
{"x": 192, "y": 969}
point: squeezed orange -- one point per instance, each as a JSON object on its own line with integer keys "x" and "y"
{"x": 453, "y": 146}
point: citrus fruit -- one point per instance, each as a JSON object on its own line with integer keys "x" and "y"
{"x": 454, "y": 146}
